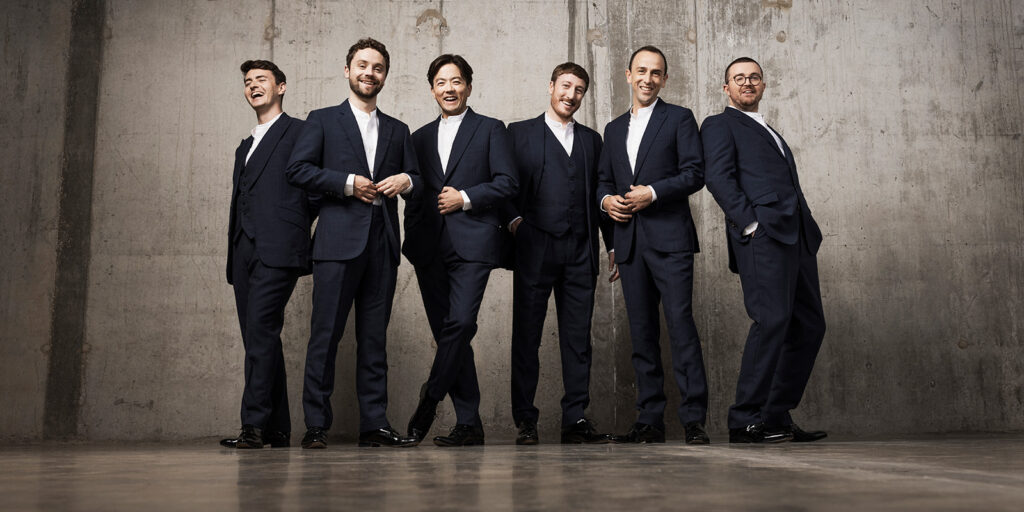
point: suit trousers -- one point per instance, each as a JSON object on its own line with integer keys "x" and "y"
{"x": 545, "y": 262}
{"x": 261, "y": 294}
{"x": 452, "y": 289}
{"x": 369, "y": 281}
{"x": 650, "y": 277}
{"x": 783, "y": 299}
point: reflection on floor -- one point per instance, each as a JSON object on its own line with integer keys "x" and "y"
{"x": 968, "y": 472}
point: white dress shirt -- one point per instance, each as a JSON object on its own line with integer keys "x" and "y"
{"x": 564, "y": 134}
{"x": 257, "y": 135}
{"x": 447, "y": 129}
{"x": 634, "y": 136}
{"x": 749, "y": 230}
{"x": 368, "y": 130}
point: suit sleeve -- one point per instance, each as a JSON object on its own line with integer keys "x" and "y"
{"x": 410, "y": 165}
{"x": 605, "y": 177}
{"x": 512, "y": 208}
{"x": 304, "y": 168}
{"x": 504, "y": 181}
{"x": 605, "y": 223}
{"x": 720, "y": 150}
{"x": 690, "y": 161}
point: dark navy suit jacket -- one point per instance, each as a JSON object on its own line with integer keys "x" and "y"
{"x": 751, "y": 180}
{"x": 282, "y": 213}
{"x": 528, "y": 147}
{"x": 480, "y": 165}
{"x": 671, "y": 161}
{"x": 329, "y": 149}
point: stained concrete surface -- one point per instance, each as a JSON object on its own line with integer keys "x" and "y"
{"x": 932, "y": 473}
{"x": 905, "y": 119}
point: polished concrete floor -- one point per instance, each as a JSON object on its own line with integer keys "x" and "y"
{"x": 969, "y": 472}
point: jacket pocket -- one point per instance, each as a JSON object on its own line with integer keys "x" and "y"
{"x": 764, "y": 199}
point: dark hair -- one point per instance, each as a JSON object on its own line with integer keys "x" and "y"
{"x": 444, "y": 60}
{"x": 739, "y": 60}
{"x": 250, "y": 65}
{"x": 373, "y": 44}
{"x": 573, "y": 69}
{"x": 648, "y": 48}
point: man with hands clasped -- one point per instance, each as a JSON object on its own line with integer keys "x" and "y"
{"x": 358, "y": 159}
{"x": 651, "y": 163}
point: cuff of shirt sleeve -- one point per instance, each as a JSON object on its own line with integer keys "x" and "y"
{"x": 654, "y": 195}
{"x": 350, "y": 184}
{"x": 466, "y": 205}
{"x": 601, "y": 204}
{"x": 513, "y": 221}
{"x": 409, "y": 188}
{"x": 749, "y": 230}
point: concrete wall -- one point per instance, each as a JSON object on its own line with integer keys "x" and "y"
{"x": 905, "y": 120}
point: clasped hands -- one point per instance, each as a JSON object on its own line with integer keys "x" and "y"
{"x": 367, "y": 191}
{"x": 622, "y": 207}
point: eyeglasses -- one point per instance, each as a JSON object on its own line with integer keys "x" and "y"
{"x": 753, "y": 79}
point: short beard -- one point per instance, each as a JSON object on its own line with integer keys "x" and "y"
{"x": 354, "y": 86}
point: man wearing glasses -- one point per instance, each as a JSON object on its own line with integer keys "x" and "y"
{"x": 772, "y": 242}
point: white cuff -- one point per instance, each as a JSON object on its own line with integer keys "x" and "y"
{"x": 512, "y": 222}
{"x": 654, "y": 195}
{"x": 409, "y": 188}
{"x": 749, "y": 230}
{"x": 601, "y": 203}
{"x": 350, "y": 184}
{"x": 466, "y": 205}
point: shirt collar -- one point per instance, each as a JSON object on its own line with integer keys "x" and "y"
{"x": 645, "y": 112}
{"x": 262, "y": 128}
{"x": 362, "y": 116}
{"x": 756, "y": 116}
{"x": 454, "y": 119}
{"x": 556, "y": 124}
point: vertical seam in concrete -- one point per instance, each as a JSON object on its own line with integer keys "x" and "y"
{"x": 273, "y": 27}
{"x": 572, "y": 30}
{"x": 440, "y": 31}
{"x": 74, "y": 222}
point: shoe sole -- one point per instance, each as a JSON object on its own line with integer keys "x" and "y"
{"x": 315, "y": 446}
{"x": 527, "y": 442}
{"x": 371, "y": 444}
{"x": 451, "y": 445}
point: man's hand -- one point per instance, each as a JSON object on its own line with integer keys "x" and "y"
{"x": 617, "y": 208}
{"x": 638, "y": 197}
{"x": 613, "y": 269}
{"x": 364, "y": 189}
{"x": 394, "y": 184}
{"x": 449, "y": 201}
{"x": 515, "y": 225}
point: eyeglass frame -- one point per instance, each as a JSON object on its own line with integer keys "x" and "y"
{"x": 743, "y": 80}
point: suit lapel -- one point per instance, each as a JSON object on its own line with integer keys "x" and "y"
{"x": 243, "y": 149}
{"x": 350, "y": 128}
{"x": 384, "y": 127}
{"x": 259, "y": 158}
{"x": 433, "y": 158}
{"x": 754, "y": 125}
{"x": 653, "y": 127}
{"x": 537, "y": 142}
{"x": 466, "y": 130}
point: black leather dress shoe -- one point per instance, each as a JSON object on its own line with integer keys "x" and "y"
{"x": 462, "y": 435}
{"x": 274, "y": 438}
{"x": 423, "y": 418}
{"x": 527, "y": 434}
{"x": 250, "y": 438}
{"x": 386, "y": 437}
{"x": 641, "y": 433}
{"x": 695, "y": 433}
{"x": 315, "y": 438}
{"x": 758, "y": 433}
{"x": 583, "y": 431}
{"x": 802, "y": 436}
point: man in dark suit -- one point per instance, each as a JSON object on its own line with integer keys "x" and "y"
{"x": 555, "y": 222}
{"x": 268, "y": 249}
{"x": 358, "y": 159}
{"x": 454, "y": 238}
{"x": 650, "y": 166}
{"x": 772, "y": 242}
